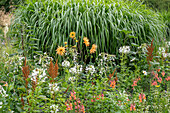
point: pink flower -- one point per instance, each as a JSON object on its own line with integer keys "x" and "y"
{"x": 154, "y": 83}
{"x": 132, "y": 107}
{"x": 159, "y": 79}
{"x": 134, "y": 83}
{"x": 168, "y": 78}
{"x": 156, "y": 75}
{"x": 102, "y": 95}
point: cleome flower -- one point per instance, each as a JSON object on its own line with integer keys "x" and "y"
{"x": 72, "y": 34}
{"x": 144, "y": 72}
{"x": 65, "y": 63}
{"x": 124, "y": 49}
{"x": 61, "y": 50}
{"x": 90, "y": 69}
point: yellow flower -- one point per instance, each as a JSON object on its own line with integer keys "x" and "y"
{"x": 74, "y": 46}
{"x": 157, "y": 85}
{"x": 76, "y": 40}
{"x": 65, "y": 43}
{"x": 61, "y": 50}
{"x": 72, "y": 34}
{"x": 6, "y": 84}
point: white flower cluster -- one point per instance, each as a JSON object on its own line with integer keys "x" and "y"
{"x": 39, "y": 73}
{"x": 167, "y": 44}
{"x": 90, "y": 69}
{"x": 77, "y": 69}
{"x": 72, "y": 78}
{"x": 102, "y": 70}
{"x": 143, "y": 47}
{"x": 162, "y": 52}
{"x": 65, "y": 63}
{"x": 53, "y": 87}
{"x": 54, "y": 108}
{"x": 124, "y": 49}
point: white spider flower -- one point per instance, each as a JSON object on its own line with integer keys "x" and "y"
{"x": 124, "y": 49}
{"x": 72, "y": 78}
{"x": 90, "y": 69}
{"x": 77, "y": 69}
{"x": 54, "y": 87}
{"x": 65, "y": 63}
{"x": 161, "y": 50}
{"x": 144, "y": 72}
{"x": 55, "y": 108}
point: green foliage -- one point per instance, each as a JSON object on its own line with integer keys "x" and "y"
{"x": 44, "y": 25}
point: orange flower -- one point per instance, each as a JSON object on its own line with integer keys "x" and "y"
{"x": 93, "y": 49}
{"x": 158, "y": 70}
{"x": 168, "y": 78}
{"x": 65, "y": 43}
{"x": 113, "y": 83}
{"x": 86, "y": 41}
{"x": 6, "y": 84}
{"x": 134, "y": 83}
{"x": 72, "y": 34}
{"x": 163, "y": 73}
{"x": 70, "y": 98}
{"x": 94, "y": 46}
{"x": 61, "y": 50}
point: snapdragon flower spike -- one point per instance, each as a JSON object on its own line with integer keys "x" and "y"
{"x": 101, "y": 96}
{"x": 168, "y": 78}
{"x": 163, "y": 73}
{"x": 132, "y": 107}
{"x": 142, "y": 97}
{"x": 135, "y": 82}
{"x": 159, "y": 79}
{"x": 154, "y": 83}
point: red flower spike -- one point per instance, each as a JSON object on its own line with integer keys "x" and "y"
{"x": 150, "y": 53}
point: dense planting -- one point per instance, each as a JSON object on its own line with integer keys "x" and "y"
{"x": 85, "y": 57}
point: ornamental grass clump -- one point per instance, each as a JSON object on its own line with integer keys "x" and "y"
{"x": 41, "y": 26}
